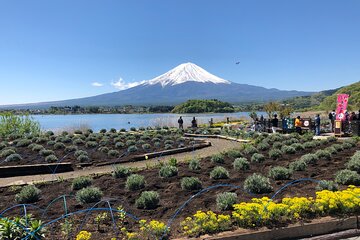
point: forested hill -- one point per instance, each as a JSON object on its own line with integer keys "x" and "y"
{"x": 326, "y": 100}
{"x": 203, "y": 106}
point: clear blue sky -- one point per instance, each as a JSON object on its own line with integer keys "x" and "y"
{"x": 53, "y": 50}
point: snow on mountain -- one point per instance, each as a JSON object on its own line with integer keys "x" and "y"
{"x": 186, "y": 72}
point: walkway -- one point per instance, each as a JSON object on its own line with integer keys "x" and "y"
{"x": 217, "y": 145}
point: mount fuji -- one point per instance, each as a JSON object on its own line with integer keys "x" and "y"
{"x": 184, "y": 82}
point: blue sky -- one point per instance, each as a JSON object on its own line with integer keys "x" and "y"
{"x": 53, "y": 50}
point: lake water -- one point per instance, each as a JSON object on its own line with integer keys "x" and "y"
{"x": 118, "y": 121}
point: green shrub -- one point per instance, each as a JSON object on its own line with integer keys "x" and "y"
{"x": 121, "y": 172}
{"x": 190, "y": 183}
{"x": 310, "y": 158}
{"x": 297, "y": 146}
{"x": 257, "y": 183}
{"x": 3, "y": 145}
{"x": 59, "y": 146}
{"x": 51, "y": 143}
{"x": 327, "y": 185}
{"x": 324, "y": 154}
{"x": 91, "y": 144}
{"x": 241, "y": 164}
{"x": 347, "y": 145}
{"x": 170, "y": 142}
{"x": 173, "y": 162}
{"x": 331, "y": 150}
{"x": 81, "y": 182}
{"x": 347, "y": 177}
{"x": 51, "y": 158}
{"x": 40, "y": 139}
{"x": 78, "y": 141}
{"x": 249, "y": 149}
{"x": 23, "y": 143}
{"x": 28, "y": 194}
{"x": 351, "y": 141}
{"x": 103, "y": 149}
{"x": 219, "y": 173}
{"x": 130, "y": 142}
{"x": 71, "y": 148}
{"x": 298, "y": 165}
{"x": 168, "y": 146}
{"x": 275, "y": 153}
{"x": 157, "y": 144}
{"x": 135, "y": 182}
{"x": 119, "y": 145}
{"x": 78, "y": 132}
{"x": 194, "y": 164}
{"x": 11, "y": 124}
{"x": 146, "y": 146}
{"x": 280, "y": 173}
{"x": 309, "y": 144}
{"x": 46, "y": 152}
{"x": 338, "y": 147}
{"x": 332, "y": 139}
{"x": 218, "y": 158}
{"x": 83, "y": 158}
{"x": 324, "y": 142}
{"x": 168, "y": 171}
{"x": 354, "y": 162}
{"x": 226, "y": 200}
{"x": 257, "y": 157}
{"x": 7, "y": 152}
{"x": 37, "y": 148}
{"x": 89, "y": 195}
{"x": 263, "y": 146}
{"x": 80, "y": 152}
{"x": 132, "y": 149}
{"x": 113, "y": 153}
{"x": 13, "y": 158}
{"x": 277, "y": 145}
{"x": 156, "y": 139}
{"x": 288, "y": 149}
{"x": 233, "y": 153}
{"x": 148, "y": 200}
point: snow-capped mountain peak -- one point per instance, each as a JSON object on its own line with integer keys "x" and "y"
{"x": 184, "y": 73}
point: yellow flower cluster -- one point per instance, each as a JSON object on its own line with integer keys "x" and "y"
{"x": 205, "y": 222}
{"x": 263, "y": 211}
{"x": 154, "y": 229}
{"x": 346, "y": 201}
{"x": 83, "y": 235}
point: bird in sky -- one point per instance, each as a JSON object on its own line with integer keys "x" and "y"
{"x": 237, "y": 62}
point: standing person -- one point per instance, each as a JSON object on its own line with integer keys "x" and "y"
{"x": 181, "y": 123}
{"x": 298, "y": 125}
{"x": 274, "y": 123}
{"x": 317, "y": 125}
{"x": 193, "y": 123}
{"x": 332, "y": 117}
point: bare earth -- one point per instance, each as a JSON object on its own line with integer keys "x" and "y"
{"x": 217, "y": 145}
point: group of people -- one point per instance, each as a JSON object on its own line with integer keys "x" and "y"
{"x": 181, "y": 123}
{"x": 349, "y": 118}
{"x": 275, "y": 124}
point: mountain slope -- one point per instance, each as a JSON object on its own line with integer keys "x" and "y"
{"x": 353, "y": 90}
{"x": 186, "y": 81}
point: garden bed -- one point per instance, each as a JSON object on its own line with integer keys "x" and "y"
{"x": 172, "y": 196}
{"x": 91, "y": 149}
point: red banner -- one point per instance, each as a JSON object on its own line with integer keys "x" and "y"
{"x": 342, "y": 102}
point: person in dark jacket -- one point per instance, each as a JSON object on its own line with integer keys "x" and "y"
{"x": 274, "y": 123}
{"x": 181, "y": 123}
{"x": 194, "y": 123}
{"x": 317, "y": 125}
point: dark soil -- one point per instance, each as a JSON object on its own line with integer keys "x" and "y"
{"x": 171, "y": 194}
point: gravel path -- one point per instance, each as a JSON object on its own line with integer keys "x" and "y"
{"x": 217, "y": 145}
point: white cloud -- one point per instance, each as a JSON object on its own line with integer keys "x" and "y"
{"x": 121, "y": 85}
{"x": 97, "y": 84}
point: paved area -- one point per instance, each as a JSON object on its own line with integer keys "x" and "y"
{"x": 217, "y": 145}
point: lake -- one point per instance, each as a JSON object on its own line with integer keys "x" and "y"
{"x": 118, "y": 121}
